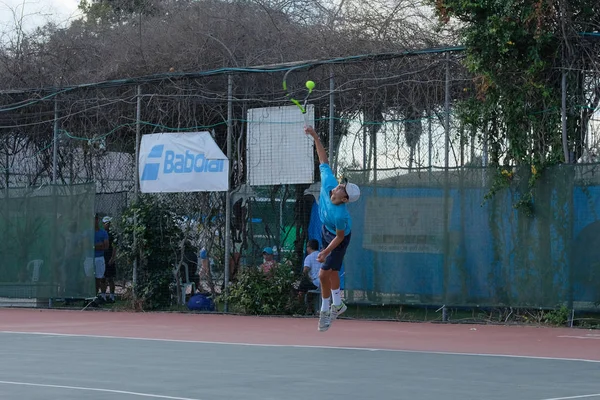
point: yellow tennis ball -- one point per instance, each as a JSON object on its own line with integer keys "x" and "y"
{"x": 310, "y": 85}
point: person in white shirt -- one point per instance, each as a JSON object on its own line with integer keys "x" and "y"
{"x": 310, "y": 272}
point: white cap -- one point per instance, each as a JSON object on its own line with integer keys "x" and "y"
{"x": 106, "y": 219}
{"x": 353, "y": 192}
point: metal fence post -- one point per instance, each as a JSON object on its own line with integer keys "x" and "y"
{"x": 563, "y": 117}
{"x": 138, "y": 117}
{"x": 365, "y": 159}
{"x": 53, "y": 253}
{"x": 55, "y": 143}
{"x": 447, "y": 115}
{"x": 429, "y": 145}
{"x": 446, "y": 184}
{"x": 332, "y": 156}
{"x": 228, "y": 193}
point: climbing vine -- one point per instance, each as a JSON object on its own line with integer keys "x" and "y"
{"x": 516, "y": 51}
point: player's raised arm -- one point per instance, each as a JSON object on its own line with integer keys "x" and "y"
{"x": 309, "y": 130}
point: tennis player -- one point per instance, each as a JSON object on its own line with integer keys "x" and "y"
{"x": 336, "y": 232}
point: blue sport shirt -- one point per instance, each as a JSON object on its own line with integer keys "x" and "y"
{"x": 99, "y": 237}
{"x": 334, "y": 217}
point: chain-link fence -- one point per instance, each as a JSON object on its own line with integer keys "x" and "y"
{"x": 424, "y": 231}
{"x": 438, "y": 238}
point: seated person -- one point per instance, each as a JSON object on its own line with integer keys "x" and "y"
{"x": 268, "y": 260}
{"x": 310, "y": 272}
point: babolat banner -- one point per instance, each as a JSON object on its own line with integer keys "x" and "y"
{"x": 182, "y": 162}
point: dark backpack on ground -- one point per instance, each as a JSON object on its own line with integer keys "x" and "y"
{"x": 200, "y": 302}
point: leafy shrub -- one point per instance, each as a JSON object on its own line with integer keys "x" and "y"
{"x": 257, "y": 293}
{"x": 558, "y": 317}
{"x": 156, "y": 241}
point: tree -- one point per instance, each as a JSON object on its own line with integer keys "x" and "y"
{"x": 518, "y": 51}
{"x": 116, "y": 11}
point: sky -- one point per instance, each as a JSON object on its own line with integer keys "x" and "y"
{"x": 35, "y": 13}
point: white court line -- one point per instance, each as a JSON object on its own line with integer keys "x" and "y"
{"x": 583, "y": 396}
{"x": 88, "y": 389}
{"x": 299, "y": 346}
{"x": 580, "y": 337}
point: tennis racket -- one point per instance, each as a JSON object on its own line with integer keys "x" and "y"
{"x": 301, "y": 105}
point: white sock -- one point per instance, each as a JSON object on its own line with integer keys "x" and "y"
{"x": 325, "y": 304}
{"x": 337, "y": 297}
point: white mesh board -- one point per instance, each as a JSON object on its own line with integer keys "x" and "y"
{"x": 278, "y": 150}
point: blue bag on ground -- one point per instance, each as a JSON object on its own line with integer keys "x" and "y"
{"x": 200, "y": 302}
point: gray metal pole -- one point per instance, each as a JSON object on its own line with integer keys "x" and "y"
{"x": 54, "y": 257}
{"x": 55, "y": 143}
{"x": 332, "y": 156}
{"x": 7, "y": 170}
{"x": 138, "y": 117}
{"x": 447, "y": 115}
{"x": 446, "y": 186}
{"x": 366, "y": 165}
{"x": 485, "y": 145}
{"x": 374, "y": 139}
{"x": 136, "y": 190}
{"x": 228, "y": 194}
{"x": 563, "y": 116}
{"x": 430, "y": 143}
{"x": 484, "y": 161}
{"x": 461, "y": 138}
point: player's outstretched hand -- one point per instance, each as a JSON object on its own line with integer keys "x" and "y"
{"x": 309, "y": 130}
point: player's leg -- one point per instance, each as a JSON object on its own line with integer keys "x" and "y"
{"x": 109, "y": 276}
{"x": 111, "y": 285}
{"x": 325, "y": 313}
{"x": 325, "y": 279}
{"x": 104, "y": 286}
{"x": 106, "y": 276}
{"x": 98, "y": 287}
{"x": 100, "y": 268}
{"x": 338, "y": 307}
{"x": 337, "y": 258}
{"x": 334, "y": 282}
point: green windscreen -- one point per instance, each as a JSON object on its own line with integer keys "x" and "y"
{"x": 45, "y": 236}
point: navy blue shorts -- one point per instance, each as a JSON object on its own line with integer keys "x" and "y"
{"x": 336, "y": 257}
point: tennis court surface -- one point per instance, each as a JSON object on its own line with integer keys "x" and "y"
{"x": 52, "y": 354}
